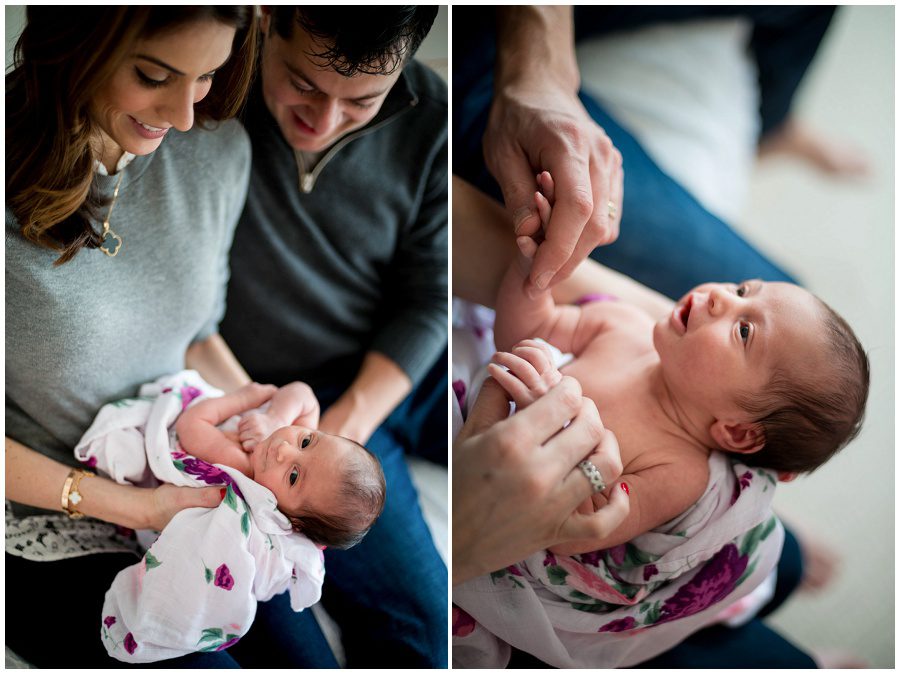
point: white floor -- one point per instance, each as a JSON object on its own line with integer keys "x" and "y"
{"x": 839, "y": 238}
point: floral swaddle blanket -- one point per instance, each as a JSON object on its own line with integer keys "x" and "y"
{"x": 198, "y": 584}
{"x": 621, "y": 606}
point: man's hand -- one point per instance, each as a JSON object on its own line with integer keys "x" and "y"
{"x": 530, "y": 131}
{"x": 516, "y": 481}
{"x": 537, "y": 123}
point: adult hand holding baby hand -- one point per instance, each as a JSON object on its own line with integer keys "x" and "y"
{"x": 516, "y": 480}
{"x": 545, "y": 127}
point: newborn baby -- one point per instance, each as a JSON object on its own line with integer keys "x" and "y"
{"x": 764, "y": 370}
{"x": 330, "y": 488}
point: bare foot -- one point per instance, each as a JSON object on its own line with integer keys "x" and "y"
{"x": 830, "y": 156}
{"x": 835, "y": 659}
{"x": 821, "y": 563}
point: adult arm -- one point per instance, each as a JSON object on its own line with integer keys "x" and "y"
{"x": 537, "y": 123}
{"x": 413, "y": 330}
{"x": 516, "y": 484}
{"x": 215, "y": 362}
{"x": 37, "y": 480}
{"x": 198, "y": 426}
{"x": 484, "y": 247}
{"x": 379, "y": 386}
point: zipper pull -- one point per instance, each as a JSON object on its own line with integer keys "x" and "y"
{"x": 307, "y": 180}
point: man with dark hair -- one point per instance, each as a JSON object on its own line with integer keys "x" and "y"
{"x": 341, "y": 254}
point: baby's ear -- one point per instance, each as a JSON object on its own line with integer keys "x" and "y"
{"x": 740, "y": 437}
{"x": 787, "y": 477}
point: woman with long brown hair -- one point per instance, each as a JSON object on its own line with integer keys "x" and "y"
{"x": 124, "y": 183}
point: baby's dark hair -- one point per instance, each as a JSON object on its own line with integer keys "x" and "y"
{"x": 805, "y": 423}
{"x": 361, "y": 494}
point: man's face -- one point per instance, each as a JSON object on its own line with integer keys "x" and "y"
{"x": 313, "y": 104}
{"x": 724, "y": 339}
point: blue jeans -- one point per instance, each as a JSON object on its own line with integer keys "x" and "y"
{"x": 667, "y": 239}
{"x": 389, "y": 593}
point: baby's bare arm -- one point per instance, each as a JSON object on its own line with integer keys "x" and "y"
{"x": 295, "y": 404}
{"x": 522, "y": 314}
{"x": 198, "y": 431}
{"x": 292, "y": 405}
{"x": 656, "y": 495}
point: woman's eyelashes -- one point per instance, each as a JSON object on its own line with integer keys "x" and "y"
{"x": 149, "y": 81}
{"x": 152, "y": 83}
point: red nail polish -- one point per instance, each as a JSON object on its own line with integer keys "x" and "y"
{"x": 222, "y": 492}
{"x": 624, "y": 487}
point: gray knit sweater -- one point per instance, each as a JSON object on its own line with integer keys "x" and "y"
{"x": 96, "y": 328}
{"x": 351, "y": 256}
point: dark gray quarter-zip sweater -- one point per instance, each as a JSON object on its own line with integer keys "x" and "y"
{"x": 351, "y": 256}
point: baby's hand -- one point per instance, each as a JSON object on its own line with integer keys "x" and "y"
{"x": 253, "y": 428}
{"x": 543, "y": 201}
{"x": 530, "y": 374}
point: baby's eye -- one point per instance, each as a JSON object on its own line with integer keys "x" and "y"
{"x": 305, "y": 442}
{"x": 294, "y": 476}
{"x": 745, "y": 331}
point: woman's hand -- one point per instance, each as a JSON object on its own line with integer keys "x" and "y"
{"x": 167, "y": 500}
{"x": 516, "y": 481}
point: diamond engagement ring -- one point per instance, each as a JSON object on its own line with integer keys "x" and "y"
{"x": 613, "y": 209}
{"x": 593, "y": 475}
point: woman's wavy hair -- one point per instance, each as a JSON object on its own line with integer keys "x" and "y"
{"x": 63, "y": 58}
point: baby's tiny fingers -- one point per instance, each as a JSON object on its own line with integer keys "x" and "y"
{"x": 545, "y": 184}
{"x": 527, "y": 246}
{"x": 543, "y": 208}
{"x": 520, "y": 367}
{"x": 517, "y": 390}
{"x": 540, "y": 359}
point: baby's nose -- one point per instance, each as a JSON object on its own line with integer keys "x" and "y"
{"x": 717, "y": 301}
{"x": 281, "y": 450}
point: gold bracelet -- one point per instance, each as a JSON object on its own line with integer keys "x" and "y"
{"x": 71, "y": 497}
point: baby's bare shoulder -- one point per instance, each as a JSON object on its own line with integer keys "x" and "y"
{"x": 674, "y": 467}
{"x": 668, "y": 481}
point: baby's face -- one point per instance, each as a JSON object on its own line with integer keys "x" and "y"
{"x": 724, "y": 339}
{"x": 301, "y": 467}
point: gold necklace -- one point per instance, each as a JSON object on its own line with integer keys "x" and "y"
{"x": 110, "y": 241}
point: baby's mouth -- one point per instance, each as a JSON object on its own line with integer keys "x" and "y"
{"x": 685, "y": 311}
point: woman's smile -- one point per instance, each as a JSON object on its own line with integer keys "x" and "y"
{"x": 147, "y": 131}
